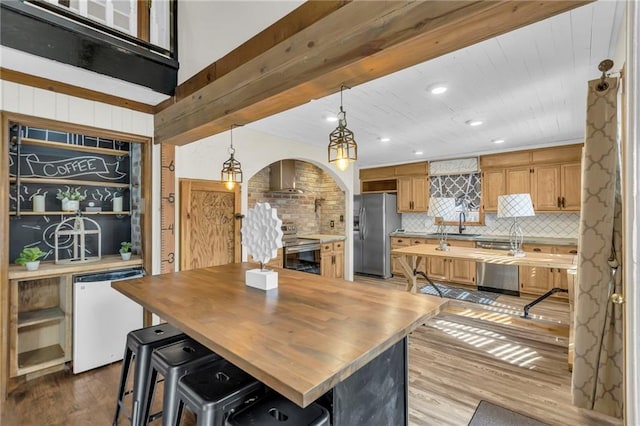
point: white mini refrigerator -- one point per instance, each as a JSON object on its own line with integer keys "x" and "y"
{"x": 102, "y": 318}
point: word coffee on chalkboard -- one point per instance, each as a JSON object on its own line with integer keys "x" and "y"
{"x": 32, "y": 166}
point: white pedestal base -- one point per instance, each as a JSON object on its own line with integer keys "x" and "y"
{"x": 262, "y": 279}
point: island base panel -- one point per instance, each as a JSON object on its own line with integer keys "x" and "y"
{"x": 377, "y": 393}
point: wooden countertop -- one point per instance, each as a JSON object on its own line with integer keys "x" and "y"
{"x": 544, "y": 260}
{"x": 300, "y": 339}
{"x": 50, "y": 269}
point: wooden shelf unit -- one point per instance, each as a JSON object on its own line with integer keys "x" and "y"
{"x": 70, "y": 182}
{"x": 40, "y": 320}
{"x": 42, "y": 316}
{"x": 73, "y": 147}
{"x": 61, "y": 213}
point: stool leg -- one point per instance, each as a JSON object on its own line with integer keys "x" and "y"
{"x": 169, "y": 406}
{"x": 179, "y": 412}
{"x": 206, "y": 418}
{"x": 126, "y": 364}
{"x": 145, "y": 406}
{"x": 141, "y": 386}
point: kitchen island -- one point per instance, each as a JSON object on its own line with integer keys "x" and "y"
{"x": 310, "y": 338}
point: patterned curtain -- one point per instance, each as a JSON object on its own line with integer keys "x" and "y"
{"x": 598, "y": 372}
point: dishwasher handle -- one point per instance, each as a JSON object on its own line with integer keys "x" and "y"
{"x": 109, "y": 276}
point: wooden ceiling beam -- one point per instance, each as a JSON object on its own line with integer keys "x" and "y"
{"x": 355, "y": 43}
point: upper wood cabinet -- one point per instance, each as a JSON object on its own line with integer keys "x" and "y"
{"x": 413, "y": 194}
{"x": 385, "y": 179}
{"x": 557, "y": 187}
{"x": 551, "y": 175}
{"x": 493, "y": 185}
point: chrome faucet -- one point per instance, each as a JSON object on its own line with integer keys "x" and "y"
{"x": 462, "y": 219}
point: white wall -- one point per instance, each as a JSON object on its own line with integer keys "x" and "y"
{"x": 228, "y": 24}
{"x": 256, "y": 150}
{"x": 42, "y": 103}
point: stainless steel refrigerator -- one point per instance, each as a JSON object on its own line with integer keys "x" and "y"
{"x": 375, "y": 216}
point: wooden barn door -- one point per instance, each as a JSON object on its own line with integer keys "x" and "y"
{"x": 209, "y": 230}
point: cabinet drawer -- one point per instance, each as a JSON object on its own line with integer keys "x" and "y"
{"x": 537, "y": 248}
{"x": 415, "y": 241}
{"x": 566, "y": 250}
{"x": 338, "y": 246}
{"x": 400, "y": 241}
{"x": 326, "y": 248}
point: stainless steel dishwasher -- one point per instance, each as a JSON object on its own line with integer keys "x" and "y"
{"x": 495, "y": 277}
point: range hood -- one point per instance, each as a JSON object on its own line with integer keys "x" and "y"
{"x": 283, "y": 177}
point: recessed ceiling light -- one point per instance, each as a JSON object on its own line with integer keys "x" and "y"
{"x": 438, "y": 90}
{"x": 384, "y": 139}
{"x": 418, "y": 152}
{"x": 332, "y": 118}
{"x": 498, "y": 141}
{"x": 474, "y": 122}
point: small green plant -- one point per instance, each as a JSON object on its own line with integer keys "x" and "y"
{"x": 125, "y": 246}
{"x": 29, "y": 254}
{"x": 70, "y": 194}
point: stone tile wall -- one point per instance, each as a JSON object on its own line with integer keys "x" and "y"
{"x": 311, "y": 212}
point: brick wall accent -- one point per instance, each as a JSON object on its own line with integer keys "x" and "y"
{"x": 311, "y": 212}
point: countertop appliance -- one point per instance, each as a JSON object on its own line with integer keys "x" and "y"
{"x": 300, "y": 254}
{"x": 375, "y": 217}
{"x": 102, "y": 318}
{"x": 495, "y": 277}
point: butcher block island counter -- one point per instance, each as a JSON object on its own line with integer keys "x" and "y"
{"x": 311, "y": 337}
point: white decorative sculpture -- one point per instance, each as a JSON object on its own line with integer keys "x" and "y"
{"x": 262, "y": 237}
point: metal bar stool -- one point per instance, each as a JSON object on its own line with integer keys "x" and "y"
{"x": 276, "y": 410}
{"x": 214, "y": 393}
{"x": 174, "y": 361}
{"x": 140, "y": 344}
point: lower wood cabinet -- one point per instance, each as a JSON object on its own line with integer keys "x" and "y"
{"x": 439, "y": 269}
{"x": 332, "y": 259}
{"x": 453, "y": 270}
{"x": 398, "y": 242}
{"x": 538, "y": 281}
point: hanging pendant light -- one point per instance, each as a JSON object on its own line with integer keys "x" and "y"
{"x": 342, "y": 145}
{"x": 231, "y": 169}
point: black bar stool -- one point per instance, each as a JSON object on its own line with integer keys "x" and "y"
{"x": 140, "y": 345}
{"x": 276, "y": 410}
{"x": 214, "y": 393}
{"x": 174, "y": 361}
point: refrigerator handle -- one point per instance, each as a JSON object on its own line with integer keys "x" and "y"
{"x": 363, "y": 223}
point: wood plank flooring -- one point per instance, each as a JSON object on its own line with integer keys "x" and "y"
{"x": 465, "y": 354}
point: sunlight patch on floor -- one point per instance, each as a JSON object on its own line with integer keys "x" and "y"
{"x": 519, "y": 355}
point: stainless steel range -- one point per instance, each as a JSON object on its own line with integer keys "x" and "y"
{"x": 300, "y": 254}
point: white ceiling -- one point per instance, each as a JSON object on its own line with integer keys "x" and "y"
{"x": 528, "y": 87}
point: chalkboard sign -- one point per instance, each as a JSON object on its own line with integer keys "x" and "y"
{"x": 46, "y": 162}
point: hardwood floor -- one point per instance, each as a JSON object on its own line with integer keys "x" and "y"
{"x": 465, "y": 354}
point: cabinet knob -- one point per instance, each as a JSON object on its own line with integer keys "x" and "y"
{"x": 558, "y": 201}
{"x": 573, "y": 251}
{"x": 537, "y": 250}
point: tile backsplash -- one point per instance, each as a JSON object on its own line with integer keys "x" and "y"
{"x": 558, "y": 225}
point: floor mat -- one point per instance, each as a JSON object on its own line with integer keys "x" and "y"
{"x": 488, "y": 414}
{"x": 482, "y": 297}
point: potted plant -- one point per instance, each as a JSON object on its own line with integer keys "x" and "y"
{"x": 70, "y": 198}
{"x": 125, "y": 250}
{"x": 29, "y": 257}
